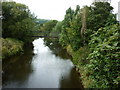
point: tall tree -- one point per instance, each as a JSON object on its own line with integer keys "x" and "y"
{"x": 18, "y": 22}
{"x": 64, "y": 38}
{"x": 99, "y": 14}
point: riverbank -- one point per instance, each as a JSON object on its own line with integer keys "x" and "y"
{"x": 11, "y": 47}
{"x": 98, "y": 64}
{"x": 80, "y": 62}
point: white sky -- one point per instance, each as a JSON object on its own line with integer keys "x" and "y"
{"x": 55, "y": 9}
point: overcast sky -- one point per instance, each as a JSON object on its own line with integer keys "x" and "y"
{"x": 55, "y": 9}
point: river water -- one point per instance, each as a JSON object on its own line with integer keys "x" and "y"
{"x": 43, "y": 69}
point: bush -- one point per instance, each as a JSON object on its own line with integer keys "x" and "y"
{"x": 104, "y": 57}
{"x": 11, "y": 47}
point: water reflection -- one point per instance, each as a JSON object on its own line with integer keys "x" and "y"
{"x": 48, "y": 69}
{"x": 17, "y": 69}
{"x": 59, "y": 51}
{"x": 43, "y": 70}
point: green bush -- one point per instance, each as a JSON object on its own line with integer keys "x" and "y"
{"x": 11, "y": 47}
{"x": 104, "y": 66}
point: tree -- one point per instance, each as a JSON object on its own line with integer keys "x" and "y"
{"x": 18, "y": 22}
{"x": 64, "y": 38}
{"x": 99, "y": 14}
{"x": 56, "y": 30}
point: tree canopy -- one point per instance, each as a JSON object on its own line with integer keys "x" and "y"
{"x": 18, "y": 22}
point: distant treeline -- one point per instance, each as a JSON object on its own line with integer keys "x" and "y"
{"x": 41, "y": 21}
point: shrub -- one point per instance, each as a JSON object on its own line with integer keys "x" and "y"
{"x": 11, "y": 47}
{"x": 104, "y": 57}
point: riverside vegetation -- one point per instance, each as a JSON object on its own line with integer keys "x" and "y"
{"x": 11, "y": 47}
{"x": 18, "y": 25}
{"x": 91, "y": 35}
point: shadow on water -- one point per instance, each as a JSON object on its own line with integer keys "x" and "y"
{"x": 72, "y": 82}
{"x": 58, "y": 50}
{"x": 17, "y": 68}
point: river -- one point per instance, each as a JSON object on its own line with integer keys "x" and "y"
{"x": 43, "y": 69}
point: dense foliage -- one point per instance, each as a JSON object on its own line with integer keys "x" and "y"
{"x": 104, "y": 57}
{"x": 18, "y": 25}
{"x": 100, "y": 15}
{"x": 17, "y": 21}
{"x": 91, "y": 37}
{"x": 78, "y": 25}
{"x": 10, "y": 47}
{"x": 70, "y": 33}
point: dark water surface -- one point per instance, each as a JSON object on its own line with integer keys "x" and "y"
{"x": 44, "y": 69}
